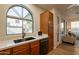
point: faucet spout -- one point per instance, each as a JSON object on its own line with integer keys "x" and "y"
{"x": 23, "y": 33}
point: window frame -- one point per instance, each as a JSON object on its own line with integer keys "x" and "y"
{"x": 72, "y": 26}
{"x": 7, "y": 16}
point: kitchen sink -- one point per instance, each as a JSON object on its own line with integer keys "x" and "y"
{"x": 24, "y": 39}
{"x": 29, "y": 38}
{"x": 18, "y": 40}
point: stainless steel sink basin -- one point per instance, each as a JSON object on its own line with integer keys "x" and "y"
{"x": 24, "y": 39}
{"x": 29, "y": 38}
{"x": 18, "y": 40}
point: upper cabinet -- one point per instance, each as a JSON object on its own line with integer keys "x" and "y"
{"x": 44, "y": 17}
{"x": 46, "y": 26}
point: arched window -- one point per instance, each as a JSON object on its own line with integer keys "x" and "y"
{"x": 19, "y": 18}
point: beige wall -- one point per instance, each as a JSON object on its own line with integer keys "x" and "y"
{"x": 69, "y": 19}
{"x": 3, "y": 9}
{"x": 56, "y": 13}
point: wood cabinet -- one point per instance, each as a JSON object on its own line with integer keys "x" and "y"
{"x": 35, "y": 48}
{"x": 5, "y": 52}
{"x": 50, "y": 31}
{"x": 31, "y": 48}
{"x": 46, "y": 26}
{"x": 44, "y": 17}
{"x": 21, "y": 50}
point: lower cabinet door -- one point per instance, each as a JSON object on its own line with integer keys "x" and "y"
{"x": 35, "y": 50}
{"x": 22, "y": 52}
{"x": 5, "y": 52}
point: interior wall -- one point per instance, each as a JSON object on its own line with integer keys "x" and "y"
{"x": 68, "y": 20}
{"x": 36, "y": 18}
{"x": 56, "y": 14}
{"x": 71, "y": 15}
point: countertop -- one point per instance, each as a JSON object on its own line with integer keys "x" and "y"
{"x": 10, "y": 43}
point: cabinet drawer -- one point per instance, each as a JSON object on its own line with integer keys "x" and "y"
{"x": 22, "y": 52}
{"x": 21, "y": 47}
{"x": 5, "y": 52}
{"x": 35, "y": 43}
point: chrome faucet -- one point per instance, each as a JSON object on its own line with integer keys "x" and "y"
{"x": 23, "y": 33}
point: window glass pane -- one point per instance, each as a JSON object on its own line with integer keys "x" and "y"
{"x": 11, "y": 30}
{"x": 28, "y": 16}
{"x": 25, "y": 12}
{"x": 15, "y": 11}
{"x": 27, "y": 25}
{"x": 14, "y": 26}
{"x": 62, "y": 26}
{"x": 18, "y": 11}
{"x": 75, "y": 27}
{"x": 12, "y": 13}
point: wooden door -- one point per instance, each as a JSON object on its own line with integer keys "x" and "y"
{"x": 35, "y": 48}
{"x": 50, "y": 31}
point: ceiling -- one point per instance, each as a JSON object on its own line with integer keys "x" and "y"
{"x": 73, "y": 11}
{"x": 60, "y": 7}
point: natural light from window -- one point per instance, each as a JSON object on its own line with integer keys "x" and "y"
{"x": 75, "y": 27}
{"x": 62, "y": 26}
{"x": 19, "y": 18}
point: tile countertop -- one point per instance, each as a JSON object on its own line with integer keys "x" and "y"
{"x": 9, "y": 43}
